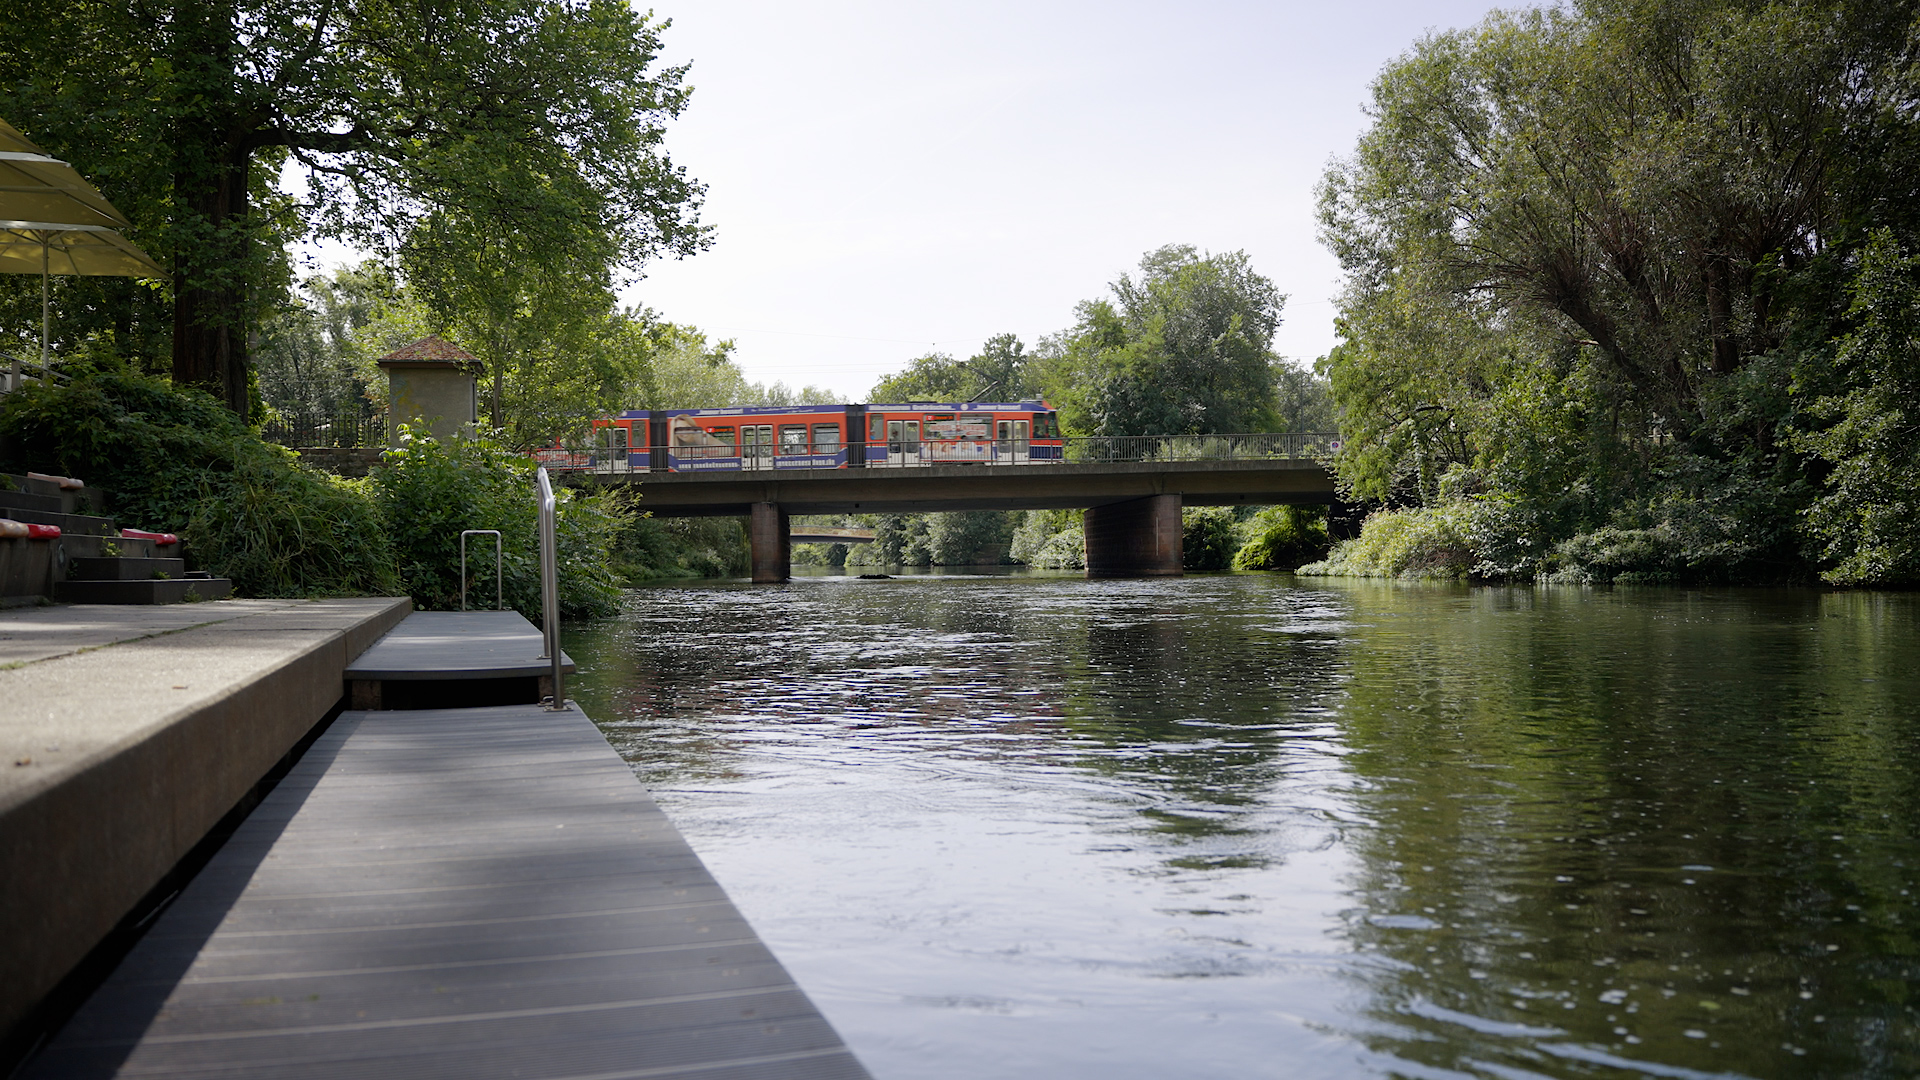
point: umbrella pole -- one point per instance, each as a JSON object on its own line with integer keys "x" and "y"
{"x": 44, "y": 245}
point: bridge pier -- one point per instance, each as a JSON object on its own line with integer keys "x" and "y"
{"x": 767, "y": 535}
{"x": 1137, "y": 538}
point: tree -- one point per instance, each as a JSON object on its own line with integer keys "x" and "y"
{"x": 1590, "y": 248}
{"x": 1186, "y": 349}
{"x": 1001, "y": 371}
{"x": 1868, "y": 521}
{"x": 539, "y": 117}
{"x": 685, "y": 372}
{"x": 308, "y": 354}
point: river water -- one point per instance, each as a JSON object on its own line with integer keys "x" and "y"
{"x": 1247, "y": 826}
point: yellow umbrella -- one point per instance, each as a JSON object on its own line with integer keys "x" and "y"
{"x": 35, "y": 186}
{"x": 53, "y": 222}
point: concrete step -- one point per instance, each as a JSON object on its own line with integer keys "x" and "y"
{"x": 26, "y": 500}
{"x": 150, "y": 591}
{"x": 84, "y": 546}
{"x": 28, "y": 569}
{"x": 72, "y": 500}
{"x": 83, "y": 524}
{"x": 126, "y": 569}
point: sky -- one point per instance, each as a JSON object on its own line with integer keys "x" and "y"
{"x": 887, "y": 179}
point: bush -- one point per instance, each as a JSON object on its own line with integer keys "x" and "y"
{"x": 280, "y": 531}
{"x": 1284, "y": 537}
{"x": 430, "y": 491}
{"x": 1050, "y": 540}
{"x": 1208, "y": 537}
{"x": 157, "y": 449}
{"x": 1420, "y": 542}
{"x": 179, "y": 461}
{"x": 650, "y": 548}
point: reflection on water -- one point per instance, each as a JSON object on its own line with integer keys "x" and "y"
{"x": 1232, "y": 826}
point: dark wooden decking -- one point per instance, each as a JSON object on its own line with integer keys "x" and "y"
{"x": 448, "y": 646}
{"x": 465, "y": 894}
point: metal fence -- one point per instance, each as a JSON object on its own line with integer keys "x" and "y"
{"x": 607, "y": 457}
{"x": 1102, "y": 449}
{"x": 309, "y": 432}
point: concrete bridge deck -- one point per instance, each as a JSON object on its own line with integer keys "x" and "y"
{"x": 1069, "y": 486}
{"x": 1132, "y": 508}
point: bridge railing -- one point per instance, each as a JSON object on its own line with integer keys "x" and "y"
{"x": 1257, "y": 446}
{"x": 606, "y": 458}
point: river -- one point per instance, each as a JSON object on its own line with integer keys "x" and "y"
{"x": 1247, "y": 826}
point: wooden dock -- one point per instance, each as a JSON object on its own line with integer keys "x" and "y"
{"x": 457, "y": 893}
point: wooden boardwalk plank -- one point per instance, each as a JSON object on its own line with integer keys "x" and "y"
{"x": 467, "y": 894}
{"x": 438, "y": 645}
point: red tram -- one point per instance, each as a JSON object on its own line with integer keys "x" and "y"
{"x": 816, "y": 437}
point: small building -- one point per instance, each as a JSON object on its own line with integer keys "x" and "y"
{"x": 432, "y": 382}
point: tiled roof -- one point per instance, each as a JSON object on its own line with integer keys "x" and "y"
{"x": 432, "y": 347}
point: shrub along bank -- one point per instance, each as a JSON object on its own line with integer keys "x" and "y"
{"x": 179, "y": 461}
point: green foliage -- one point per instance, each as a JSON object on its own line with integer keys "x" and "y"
{"x": 159, "y": 450}
{"x": 1284, "y": 537}
{"x": 281, "y": 529}
{"x": 1599, "y": 264}
{"x": 430, "y": 491}
{"x": 541, "y": 118}
{"x": 961, "y": 538}
{"x": 684, "y": 372}
{"x": 1185, "y": 349}
{"x": 1418, "y": 542}
{"x": 1050, "y": 540}
{"x": 1867, "y": 523}
{"x": 969, "y": 538}
{"x": 1208, "y": 537}
{"x": 177, "y": 461}
{"x": 651, "y": 548}
{"x": 315, "y": 355}
{"x": 1001, "y": 371}
{"x": 1304, "y": 400}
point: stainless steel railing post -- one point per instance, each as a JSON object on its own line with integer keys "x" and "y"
{"x": 550, "y": 589}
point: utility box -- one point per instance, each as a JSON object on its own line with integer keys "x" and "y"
{"x": 432, "y": 382}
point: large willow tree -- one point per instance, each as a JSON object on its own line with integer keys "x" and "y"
{"x": 541, "y": 118}
{"x": 1592, "y": 248}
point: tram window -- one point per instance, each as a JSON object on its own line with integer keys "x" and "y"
{"x": 619, "y": 442}
{"x": 793, "y": 438}
{"x": 724, "y": 434}
{"x": 826, "y": 438}
{"x": 1046, "y": 425}
{"x": 876, "y": 428}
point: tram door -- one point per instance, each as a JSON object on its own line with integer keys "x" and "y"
{"x": 903, "y": 442}
{"x": 1013, "y": 439}
{"x": 617, "y": 449}
{"x": 756, "y": 446}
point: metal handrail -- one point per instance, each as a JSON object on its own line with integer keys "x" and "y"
{"x": 550, "y": 590}
{"x": 499, "y": 558}
{"x": 18, "y": 374}
{"x": 1075, "y": 450}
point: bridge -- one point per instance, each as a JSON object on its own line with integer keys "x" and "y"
{"x": 1130, "y": 489}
